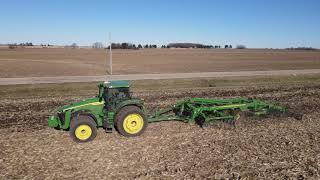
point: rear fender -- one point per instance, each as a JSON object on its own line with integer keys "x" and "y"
{"x": 135, "y": 102}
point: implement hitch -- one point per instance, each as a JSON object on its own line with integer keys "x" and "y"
{"x": 202, "y": 111}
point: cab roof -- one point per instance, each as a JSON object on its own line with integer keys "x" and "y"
{"x": 117, "y": 84}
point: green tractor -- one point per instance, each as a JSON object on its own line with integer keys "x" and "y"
{"x": 115, "y": 108}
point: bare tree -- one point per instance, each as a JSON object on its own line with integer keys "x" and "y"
{"x": 241, "y": 47}
{"x": 13, "y": 46}
{"x": 116, "y": 46}
{"x": 74, "y": 45}
{"x": 124, "y": 45}
{"x": 97, "y": 45}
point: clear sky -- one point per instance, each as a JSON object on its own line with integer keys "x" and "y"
{"x": 254, "y": 23}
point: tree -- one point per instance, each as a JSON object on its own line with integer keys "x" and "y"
{"x": 97, "y": 45}
{"x": 131, "y": 46}
{"x": 230, "y": 46}
{"x": 241, "y": 47}
{"x": 13, "y": 46}
{"x": 139, "y": 46}
{"x": 208, "y": 46}
{"x": 115, "y": 45}
{"x": 74, "y": 45}
{"x": 146, "y": 46}
{"x": 226, "y": 46}
{"x": 124, "y": 45}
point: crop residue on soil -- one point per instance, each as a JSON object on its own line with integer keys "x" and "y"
{"x": 268, "y": 148}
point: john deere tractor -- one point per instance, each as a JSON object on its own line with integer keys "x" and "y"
{"x": 115, "y": 108}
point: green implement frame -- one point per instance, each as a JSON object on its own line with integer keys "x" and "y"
{"x": 202, "y": 111}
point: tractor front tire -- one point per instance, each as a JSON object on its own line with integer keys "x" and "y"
{"x": 83, "y": 128}
{"x": 131, "y": 121}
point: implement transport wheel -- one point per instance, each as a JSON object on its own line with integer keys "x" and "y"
{"x": 83, "y": 128}
{"x": 131, "y": 121}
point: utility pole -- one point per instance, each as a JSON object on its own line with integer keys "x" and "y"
{"x": 110, "y": 52}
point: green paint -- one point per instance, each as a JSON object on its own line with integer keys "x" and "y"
{"x": 115, "y": 95}
{"x": 53, "y": 121}
{"x": 200, "y": 110}
{"x": 112, "y": 96}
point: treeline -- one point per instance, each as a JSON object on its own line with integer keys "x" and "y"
{"x": 195, "y": 45}
{"x": 302, "y": 48}
{"x": 15, "y": 45}
{"x": 126, "y": 45}
{"x": 132, "y": 46}
{"x": 27, "y": 44}
{"x": 188, "y": 45}
{"x": 99, "y": 45}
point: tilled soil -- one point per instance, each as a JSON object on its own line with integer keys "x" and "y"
{"x": 254, "y": 148}
{"x": 51, "y": 62}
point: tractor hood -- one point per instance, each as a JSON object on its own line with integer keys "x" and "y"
{"x": 81, "y": 104}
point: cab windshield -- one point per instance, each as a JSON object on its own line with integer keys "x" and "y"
{"x": 118, "y": 93}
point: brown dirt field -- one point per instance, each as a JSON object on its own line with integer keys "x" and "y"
{"x": 271, "y": 148}
{"x": 26, "y": 62}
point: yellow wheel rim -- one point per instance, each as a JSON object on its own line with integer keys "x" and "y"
{"x": 133, "y": 123}
{"x": 83, "y": 132}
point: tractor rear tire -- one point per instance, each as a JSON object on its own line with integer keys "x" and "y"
{"x": 83, "y": 128}
{"x": 131, "y": 121}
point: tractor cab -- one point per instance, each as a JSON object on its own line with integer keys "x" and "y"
{"x": 114, "y": 92}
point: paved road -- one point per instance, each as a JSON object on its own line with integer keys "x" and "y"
{"x": 65, "y": 79}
